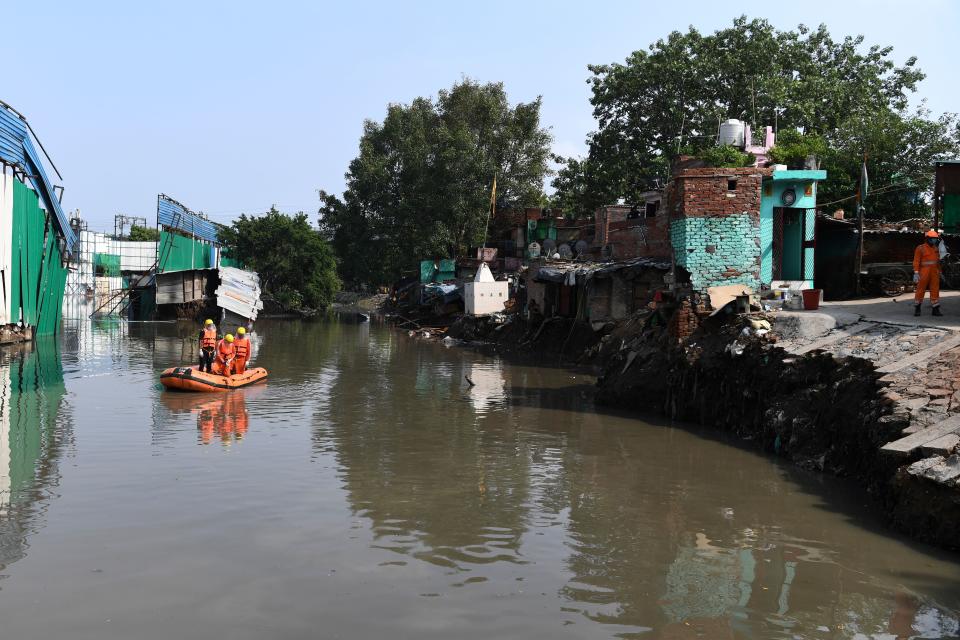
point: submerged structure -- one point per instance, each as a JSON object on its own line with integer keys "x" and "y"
{"x": 35, "y": 235}
{"x": 193, "y": 274}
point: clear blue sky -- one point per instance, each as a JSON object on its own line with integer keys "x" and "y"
{"x": 233, "y": 106}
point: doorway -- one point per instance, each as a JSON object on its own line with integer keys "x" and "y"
{"x": 788, "y": 243}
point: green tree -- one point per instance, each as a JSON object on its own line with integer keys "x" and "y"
{"x": 726, "y": 156}
{"x": 143, "y": 234}
{"x": 793, "y": 148}
{"x": 420, "y": 185}
{"x": 294, "y": 261}
{"x": 671, "y": 99}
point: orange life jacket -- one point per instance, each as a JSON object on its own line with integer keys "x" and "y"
{"x": 242, "y": 347}
{"x": 225, "y": 350}
{"x": 208, "y": 338}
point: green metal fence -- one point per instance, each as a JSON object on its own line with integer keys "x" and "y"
{"x": 38, "y": 276}
{"x": 180, "y": 253}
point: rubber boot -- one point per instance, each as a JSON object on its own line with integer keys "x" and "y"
{"x": 916, "y": 310}
{"x": 936, "y": 311}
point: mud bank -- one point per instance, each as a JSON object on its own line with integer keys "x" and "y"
{"x": 560, "y": 339}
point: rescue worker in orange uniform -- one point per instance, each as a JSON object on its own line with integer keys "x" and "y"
{"x": 225, "y": 355}
{"x": 926, "y": 272}
{"x": 242, "y": 346}
{"x": 208, "y": 345}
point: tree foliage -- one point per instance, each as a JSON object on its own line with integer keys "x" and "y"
{"x": 792, "y": 148}
{"x": 420, "y": 185}
{"x": 143, "y": 234}
{"x": 671, "y": 98}
{"x": 726, "y": 156}
{"x": 295, "y": 263}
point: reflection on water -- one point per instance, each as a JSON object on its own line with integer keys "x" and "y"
{"x": 33, "y": 434}
{"x": 379, "y": 486}
{"x": 220, "y": 416}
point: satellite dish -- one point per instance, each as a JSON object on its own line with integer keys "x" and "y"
{"x": 565, "y": 251}
{"x": 581, "y": 247}
{"x": 549, "y": 245}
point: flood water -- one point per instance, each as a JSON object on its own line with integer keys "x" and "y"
{"x": 368, "y": 491}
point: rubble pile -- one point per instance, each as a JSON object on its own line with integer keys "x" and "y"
{"x": 928, "y": 393}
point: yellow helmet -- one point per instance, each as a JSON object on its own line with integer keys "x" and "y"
{"x": 228, "y": 337}
{"x": 241, "y": 331}
{"x": 208, "y": 322}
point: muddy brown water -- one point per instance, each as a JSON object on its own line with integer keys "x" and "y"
{"x": 368, "y": 491}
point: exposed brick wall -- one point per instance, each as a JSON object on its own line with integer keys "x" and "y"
{"x": 704, "y": 192}
{"x": 715, "y": 229}
{"x": 632, "y": 237}
{"x": 684, "y": 321}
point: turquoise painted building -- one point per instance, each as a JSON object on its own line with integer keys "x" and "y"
{"x": 787, "y": 221}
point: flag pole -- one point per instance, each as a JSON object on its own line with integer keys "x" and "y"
{"x": 491, "y": 210}
{"x": 861, "y": 186}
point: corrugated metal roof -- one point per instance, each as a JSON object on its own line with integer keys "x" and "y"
{"x": 16, "y": 147}
{"x": 171, "y": 213}
{"x": 239, "y": 292}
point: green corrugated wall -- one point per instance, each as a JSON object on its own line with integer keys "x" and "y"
{"x": 38, "y": 275}
{"x": 179, "y": 253}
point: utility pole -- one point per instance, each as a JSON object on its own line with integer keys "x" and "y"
{"x": 121, "y": 221}
{"x": 862, "y": 188}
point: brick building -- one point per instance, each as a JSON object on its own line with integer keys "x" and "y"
{"x": 752, "y": 226}
{"x": 715, "y": 225}
{"x": 623, "y": 232}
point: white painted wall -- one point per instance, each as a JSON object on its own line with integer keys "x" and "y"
{"x": 6, "y": 243}
{"x": 485, "y": 295}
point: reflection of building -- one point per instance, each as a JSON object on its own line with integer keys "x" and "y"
{"x": 32, "y": 436}
{"x": 487, "y": 388}
{"x": 414, "y": 458}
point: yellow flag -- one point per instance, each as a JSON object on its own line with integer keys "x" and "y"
{"x": 493, "y": 193}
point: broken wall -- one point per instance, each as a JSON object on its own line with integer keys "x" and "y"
{"x": 625, "y": 237}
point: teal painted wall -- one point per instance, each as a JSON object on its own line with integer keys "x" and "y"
{"x": 771, "y": 197}
{"x": 736, "y": 255}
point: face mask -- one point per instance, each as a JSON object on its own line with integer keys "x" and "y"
{"x": 933, "y": 241}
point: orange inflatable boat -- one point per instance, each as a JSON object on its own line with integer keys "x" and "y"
{"x": 190, "y": 379}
